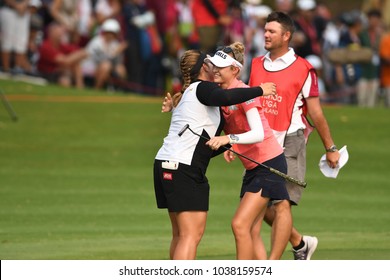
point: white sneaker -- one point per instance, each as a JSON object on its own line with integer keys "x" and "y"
{"x": 307, "y": 251}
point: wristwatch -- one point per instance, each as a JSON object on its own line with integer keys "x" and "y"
{"x": 332, "y": 149}
{"x": 233, "y": 138}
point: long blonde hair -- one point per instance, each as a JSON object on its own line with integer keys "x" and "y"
{"x": 188, "y": 62}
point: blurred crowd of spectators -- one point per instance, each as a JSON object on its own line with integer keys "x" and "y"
{"x": 135, "y": 45}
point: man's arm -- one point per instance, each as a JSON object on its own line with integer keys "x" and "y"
{"x": 318, "y": 118}
{"x": 223, "y": 19}
{"x": 72, "y": 58}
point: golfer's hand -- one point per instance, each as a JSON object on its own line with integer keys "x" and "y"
{"x": 332, "y": 158}
{"x": 218, "y": 141}
{"x": 229, "y": 156}
{"x": 268, "y": 89}
{"x": 167, "y": 104}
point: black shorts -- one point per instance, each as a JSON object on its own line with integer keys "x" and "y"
{"x": 260, "y": 178}
{"x": 183, "y": 189}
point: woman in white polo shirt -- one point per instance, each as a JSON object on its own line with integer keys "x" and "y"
{"x": 180, "y": 165}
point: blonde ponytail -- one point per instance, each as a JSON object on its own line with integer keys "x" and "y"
{"x": 239, "y": 51}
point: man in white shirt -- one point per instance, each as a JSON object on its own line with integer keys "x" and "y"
{"x": 297, "y": 87}
{"x": 105, "y": 58}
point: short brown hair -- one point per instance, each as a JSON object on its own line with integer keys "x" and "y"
{"x": 285, "y": 21}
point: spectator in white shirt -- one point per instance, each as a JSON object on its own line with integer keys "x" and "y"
{"x": 105, "y": 55}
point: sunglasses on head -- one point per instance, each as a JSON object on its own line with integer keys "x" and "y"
{"x": 227, "y": 49}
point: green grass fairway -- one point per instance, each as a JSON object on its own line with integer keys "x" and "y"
{"x": 76, "y": 181}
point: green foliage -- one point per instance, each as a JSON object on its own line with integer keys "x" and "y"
{"x": 76, "y": 182}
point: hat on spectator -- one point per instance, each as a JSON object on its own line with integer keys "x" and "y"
{"x": 306, "y": 5}
{"x": 261, "y": 11}
{"x": 315, "y": 61}
{"x": 111, "y": 25}
{"x": 222, "y": 59}
{"x": 254, "y": 2}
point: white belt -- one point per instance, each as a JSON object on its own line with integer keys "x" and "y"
{"x": 172, "y": 165}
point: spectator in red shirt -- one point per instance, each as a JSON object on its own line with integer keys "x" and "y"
{"x": 59, "y": 62}
{"x": 211, "y": 18}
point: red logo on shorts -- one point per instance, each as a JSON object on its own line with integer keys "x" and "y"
{"x": 167, "y": 176}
